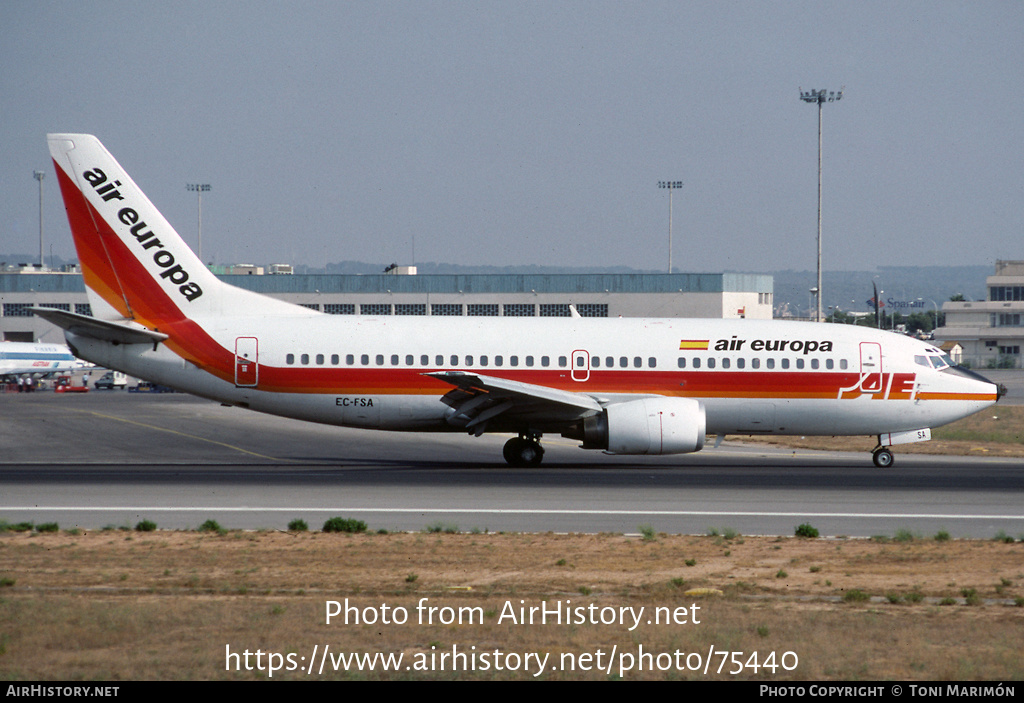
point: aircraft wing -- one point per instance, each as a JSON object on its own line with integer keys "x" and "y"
{"x": 476, "y": 399}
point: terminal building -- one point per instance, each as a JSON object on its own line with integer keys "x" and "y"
{"x": 402, "y": 292}
{"x": 991, "y": 331}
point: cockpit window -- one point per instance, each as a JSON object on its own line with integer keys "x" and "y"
{"x": 921, "y": 360}
{"x": 941, "y": 361}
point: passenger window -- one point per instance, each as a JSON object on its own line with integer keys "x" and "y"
{"x": 770, "y": 363}
{"x": 529, "y": 361}
{"x": 711, "y": 363}
{"x": 682, "y": 362}
{"x": 305, "y": 359}
{"x": 799, "y": 363}
{"x": 455, "y": 360}
{"x": 652, "y": 362}
{"x": 562, "y": 362}
{"x": 424, "y": 360}
{"x": 726, "y": 363}
{"x": 842, "y": 364}
{"x": 409, "y": 360}
{"x": 696, "y": 362}
{"x": 380, "y": 360}
{"x": 335, "y": 359}
{"x": 289, "y": 359}
{"x": 637, "y": 362}
{"x": 741, "y": 363}
{"x": 545, "y": 361}
{"x": 498, "y": 361}
{"x": 364, "y": 359}
{"x": 814, "y": 363}
{"x": 785, "y": 363}
{"x": 350, "y": 359}
{"x": 394, "y": 359}
{"x": 595, "y": 362}
{"x": 483, "y": 360}
{"x": 469, "y": 360}
{"x": 829, "y": 363}
{"x": 755, "y": 363}
{"x": 609, "y": 361}
{"x": 439, "y": 360}
{"x": 513, "y": 361}
{"x": 320, "y": 359}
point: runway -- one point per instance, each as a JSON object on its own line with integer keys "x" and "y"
{"x": 113, "y": 459}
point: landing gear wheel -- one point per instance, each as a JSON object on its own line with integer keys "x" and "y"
{"x": 883, "y": 458}
{"x": 521, "y": 451}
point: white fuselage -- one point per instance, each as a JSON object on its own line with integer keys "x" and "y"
{"x": 764, "y": 377}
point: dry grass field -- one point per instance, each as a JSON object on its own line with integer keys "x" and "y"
{"x": 165, "y": 605}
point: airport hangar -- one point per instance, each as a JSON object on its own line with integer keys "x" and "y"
{"x": 402, "y": 292}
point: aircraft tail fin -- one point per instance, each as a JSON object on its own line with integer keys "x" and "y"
{"x": 134, "y": 264}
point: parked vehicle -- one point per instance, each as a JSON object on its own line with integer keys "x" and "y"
{"x": 111, "y": 380}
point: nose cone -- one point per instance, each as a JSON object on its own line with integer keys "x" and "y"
{"x": 979, "y": 385}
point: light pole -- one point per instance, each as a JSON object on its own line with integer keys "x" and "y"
{"x": 820, "y": 97}
{"x": 199, "y": 189}
{"x": 670, "y": 185}
{"x": 39, "y": 175}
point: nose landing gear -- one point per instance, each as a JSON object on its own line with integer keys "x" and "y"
{"x": 882, "y": 457}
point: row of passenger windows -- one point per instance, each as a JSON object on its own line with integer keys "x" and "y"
{"x": 424, "y": 360}
{"x": 596, "y": 362}
{"x": 471, "y": 309}
{"x": 755, "y": 363}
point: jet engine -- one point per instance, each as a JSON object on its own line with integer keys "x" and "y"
{"x": 656, "y": 425}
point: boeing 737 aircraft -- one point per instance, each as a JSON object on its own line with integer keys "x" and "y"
{"x": 18, "y": 358}
{"x": 625, "y": 386}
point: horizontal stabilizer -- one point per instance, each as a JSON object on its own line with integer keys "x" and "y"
{"x": 86, "y": 326}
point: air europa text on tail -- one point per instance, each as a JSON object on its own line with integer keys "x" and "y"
{"x": 139, "y": 229}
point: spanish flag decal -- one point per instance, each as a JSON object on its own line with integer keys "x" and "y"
{"x": 694, "y": 344}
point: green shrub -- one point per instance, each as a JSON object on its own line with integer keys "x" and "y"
{"x": 298, "y": 526}
{"x": 942, "y": 536}
{"x": 903, "y": 535}
{"x": 648, "y": 532}
{"x": 212, "y": 526}
{"x": 342, "y": 524}
{"x": 145, "y": 526}
{"x": 855, "y": 595}
{"x": 48, "y": 527}
{"x": 806, "y": 530}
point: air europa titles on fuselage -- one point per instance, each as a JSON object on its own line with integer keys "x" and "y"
{"x": 774, "y": 345}
{"x": 139, "y": 229}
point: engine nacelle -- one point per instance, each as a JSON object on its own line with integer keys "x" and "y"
{"x": 647, "y": 426}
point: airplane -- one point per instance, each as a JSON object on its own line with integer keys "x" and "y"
{"x": 627, "y": 386}
{"x": 17, "y": 358}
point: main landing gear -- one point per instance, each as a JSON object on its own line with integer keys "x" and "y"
{"x": 524, "y": 451}
{"x": 882, "y": 457}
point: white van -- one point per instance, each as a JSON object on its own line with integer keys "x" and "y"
{"x": 111, "y": 380}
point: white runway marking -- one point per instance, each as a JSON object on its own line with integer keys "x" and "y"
{"x": 506, "y": 511}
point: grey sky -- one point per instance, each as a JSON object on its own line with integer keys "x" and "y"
{"x": 533, "y": 133}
